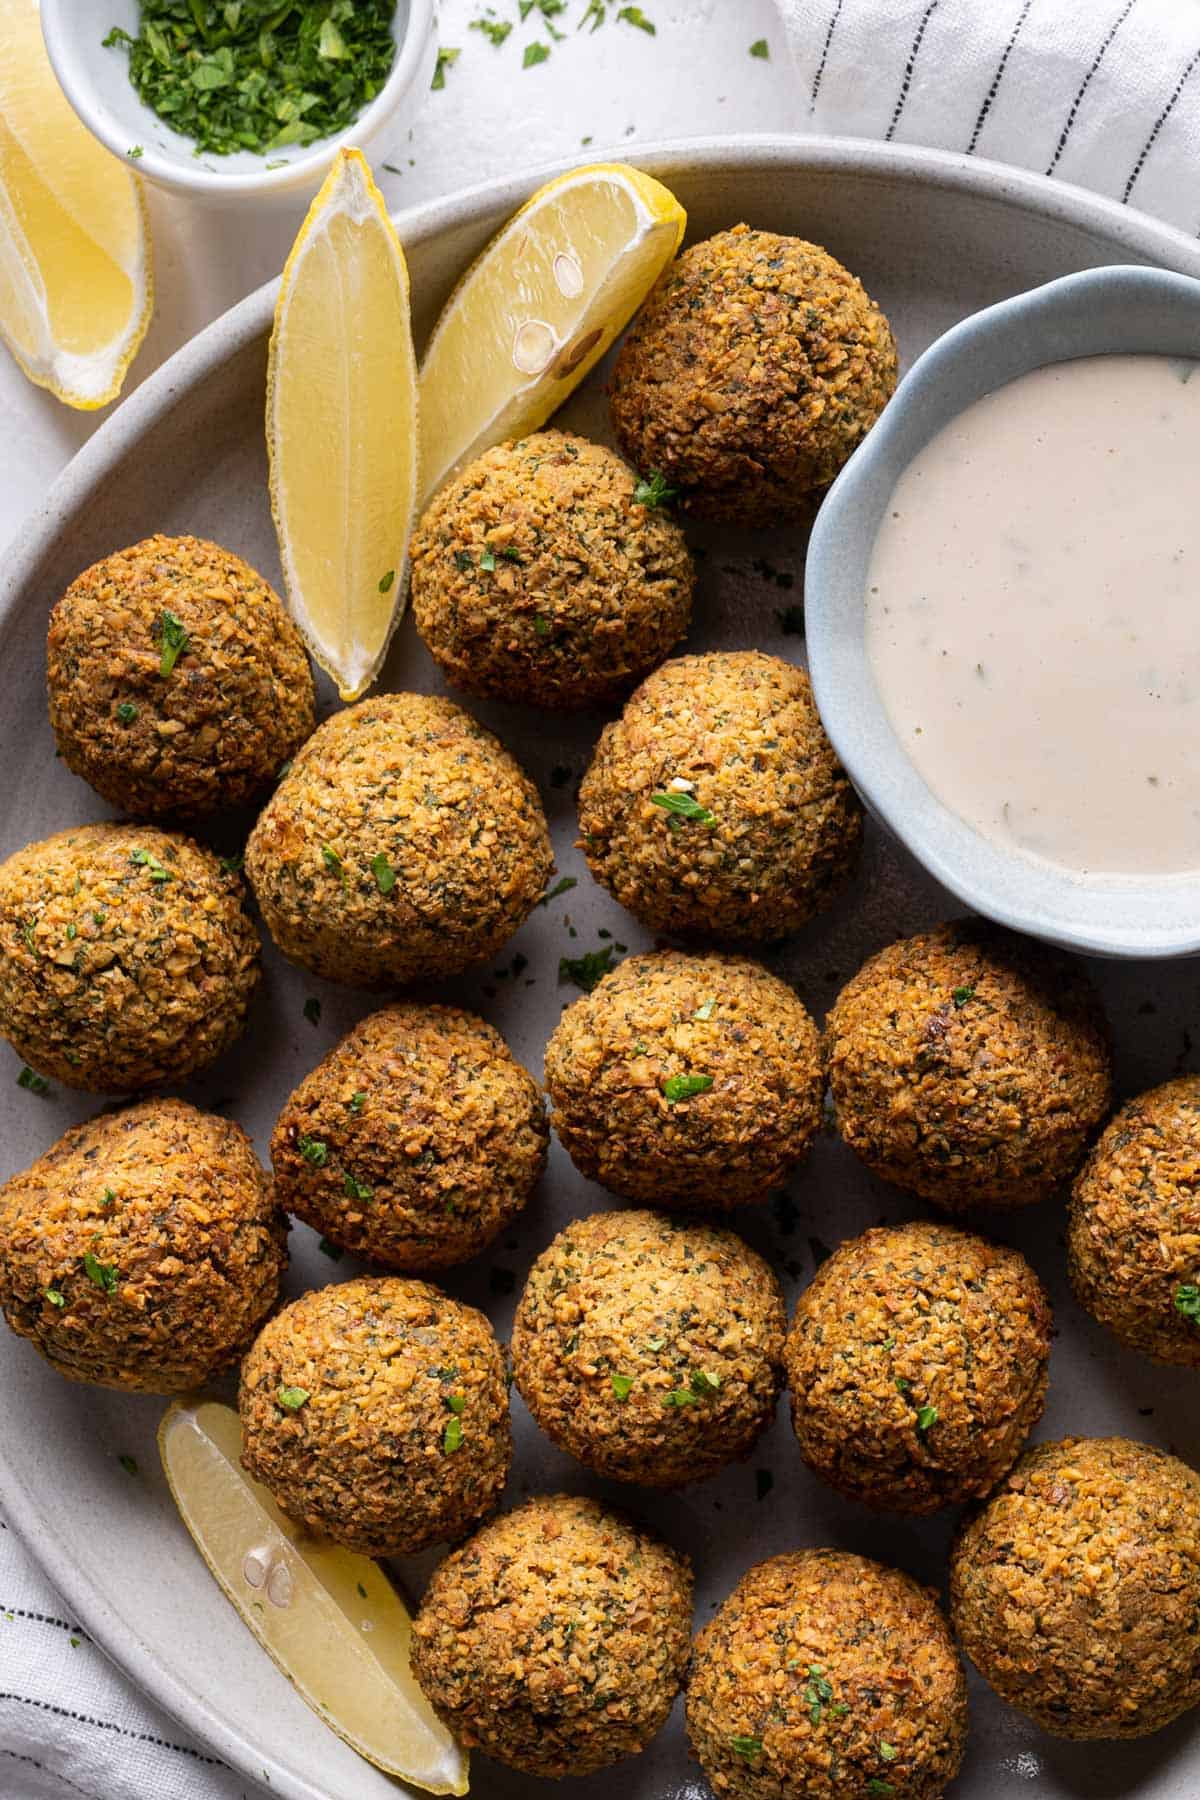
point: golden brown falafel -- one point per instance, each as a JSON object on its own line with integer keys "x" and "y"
{"x": 917, "y": 1361}
{"x": 970, "y": 1066}
{"x": 538, "y": 576}
{"x": 755, "y": 368}
{"x": 376, "y": 1412}
{"x": 771, "y": 827}
{"x": 143, "y": 1250}
{"x": 403, "y": 844}
{"x": 556, "y": 1639}
{"x": 1134, "y": 1235}
{"x": 686, "y": 1080}
{"x": 649, "y": 1347}
{"x": 826, "y": 1676}
{"x": 415, "y": 1141}
{"x": 1075, "y": 1590}
{"x": 127, "y": 956}
{"x": 178, "y": 682}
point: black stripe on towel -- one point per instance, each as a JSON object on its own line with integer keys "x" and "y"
{"x": 1086, "y": 83}
{"x": 142, "y": 1737}
{"x": 817, "y": 78}
{"x": 1161, "y": 120}
{"x": 998, "y": 77}
{"x": 909, "y": 66}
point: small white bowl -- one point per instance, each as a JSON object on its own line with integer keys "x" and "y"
{"x": 1105, "y": 310}
{"x": 96, "y": 82}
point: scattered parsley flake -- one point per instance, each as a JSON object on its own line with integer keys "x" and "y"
{"x": 495, "y": 30}
{"x": 761, "y": 49}
{"x": 683, "y": 806}
{"x": 1187, "y": 1301}
{"x": 108, "y": 1198}
{"x": 654, "y": 490}
{"x": 818, "y": 1695}
{"x": 356, "y": 1102}
{"x": 128, "y": 1463}
{"x": 902, "y": 1384}
{"x": 334, "y": 864}
{"x": 888, "y": 1752}
{"x": 927, "y": 1417}
{"x": 705, "y": 1011}
{"x": 452, "y": 1437}
{"x": 385, "y": 875}
{"x": 463, "y": 561}
{"x": 233, "y": 865}
{"x": 446, "y": 59}
{"x": 487, "y": 559}
{"x": 633, "y": 15}
{"x": 135, "y": 151}
{"x": 357, "y": 1190}
{"x": 102, "y": 1275}
{"x": 748, "y": 1748}
{"x": 682, "y": 1087}
{"x": 32, "y": 1082}
{"x": 127, "y": 712}
{"x": 597, "y": 12}
{"x": 314, "y": 1151}
{"x": 55, "y": 1297}
{"x": 563, "y": 886}
{"x": 456, "y": 1402}
{"x": 292, "y": 1398}
{"x": 621, "y": 1385}
{"x": 385, "y": 582}
{"x": 312, "y": 1010}
{"x": 535, "y": 53}
{"x": 680, "y": 1397}
{"x": 962, "y": 995}
{"x": 151, "y": 864}
{"x": 586, "y": 971}
{"x": 173, "y": 638}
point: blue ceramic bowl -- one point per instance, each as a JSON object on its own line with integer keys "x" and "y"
{"x": 1099, "y": 312}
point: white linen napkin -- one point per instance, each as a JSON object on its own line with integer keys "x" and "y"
{"x": 1104, "y": 93}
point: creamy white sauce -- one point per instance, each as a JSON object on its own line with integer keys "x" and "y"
{"x": 1033, "y": 615}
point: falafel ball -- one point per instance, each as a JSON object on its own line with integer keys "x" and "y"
{"x": 178, "y": 681}
{"x": 143, "y": 1250}
{"x": 127, "y": 956}
{"x": 772, "y": 827}
{"x": 686, "y": 1080}
{"x": 376, "y": 1412}
{"x": 1075, "y": 1590}
{"x": 917, "y": 1361}
{"x": 556, "y": 1639}
{"x": 539, "y": 576}
{"x": 648, "y": 1347}
{"x": 970, "y": 1066}
{"x": 1134, "y": 1234}
{"x": 825, "y": 1676}
{"x": 754, "y": 369}
{"x": 404, "y": 844}
{"x": 415, "y": 1141}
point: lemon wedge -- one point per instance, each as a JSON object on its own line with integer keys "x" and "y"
{"x": 342, "y": 426}
{"x": 76, "y": 288}
{"x": 330, "y": 1619}
{"x": 539, "y": 308}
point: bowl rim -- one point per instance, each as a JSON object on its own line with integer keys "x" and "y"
{"x": 947, "y": 846}
{"x": 190, "y": 176}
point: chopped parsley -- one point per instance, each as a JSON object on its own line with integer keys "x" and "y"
{"x": 385, "y": 875}
{"x": 682, "y": 1087}
{"x": 129, "y": 1464}
{"x": 127, "y": 712}
{"x": 962, "y": 994}
{"x": 633, "y": 15}
{"x": 312, "y": 1010}
{"x": 888, "y": 1752}
{"x": 385, "y": 581}
{"x": 55, "y": 1298}
{"x": 927, "y": 1418}
{"x": 684, "y": 807}
{"x": 173, "y": 640}
{"x": 334, "y": 864}
{"x": 562, "y": 886}
{"x": 357, "y": 1190}
{"x": 818, "y": 1697}
{"x": 705, "y": 1011}
{"x": 292, "y": 1398}
{"x": 535, "y": 53}
{"x": 32, "y": 1082}
{"x": 456, "y": 1402}
{"x": 355, "y": 1103}
{"x": 621, "y": 1385}
{"x": 495, "y": 30}
{"x": 446, "y": 59}
{"x": 463, "y": 561}
{"x": 256, "y": 75}
{"x": 700, "y": 1386}
{"x": 108, "y": 1198}
{"x": 487, "y": 559}
{"x": 748, "y": 1748}
{"x": 1187, "y": 1301}
{"x": 654, "y": 490}
{"x": 452, "y": 1437}
{"x": 151, "y": 864}
{"x": 102, "y": 1275}
{"x": 587, "y": 970}
{"x": 233, "y": 865}
{"x": 902, "y": 1384}
{"x": 761, "y": 49}
{"x": 313, "y": 1151}
{"x": 333, "y": 1251}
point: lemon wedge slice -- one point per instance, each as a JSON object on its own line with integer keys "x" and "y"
{"x": 76, "y": 288}
{"x": 539, "y": 308}
{"x": 330, "y": 1619}
{"x": 342, "y": 426}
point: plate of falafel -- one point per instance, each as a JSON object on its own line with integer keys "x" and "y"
{"x": 754, "y": 1311}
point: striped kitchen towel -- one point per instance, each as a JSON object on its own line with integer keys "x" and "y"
{"x": 1105, "y": 93}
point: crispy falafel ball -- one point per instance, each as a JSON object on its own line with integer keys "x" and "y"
{"x": 917, "y": 1362}
{"x": 1134, "y": 1237}
{"x": 555, "y": 1639}
{"x": 826, "y": 1676}
{"x": 537, "y": 575}
{"x": 772, "y": 827}
{"x": 127, "y": 957}
{"x": 650, "y": 1347}
{"x": 755, "y": 368}
{"x": 1075, "y": 1590}
{"x": 970, "y": 1066}
{"x": 416, "y": 1140}
{"x": 686, "y": 1080}
{"x": 376, "y": 1412}
{"x": 178, "y": 682}
{"x": 403, "y": 844}
{"x": 143, "y": 1250}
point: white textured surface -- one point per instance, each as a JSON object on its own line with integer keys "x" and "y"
{"x": 618, "y": 86}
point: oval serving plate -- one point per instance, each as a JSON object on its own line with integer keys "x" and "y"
{"x": 933, "y": 237}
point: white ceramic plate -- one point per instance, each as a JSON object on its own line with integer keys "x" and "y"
{"x": 933, "y": 237}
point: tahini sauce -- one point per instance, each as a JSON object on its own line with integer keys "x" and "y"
{"x": 1033, "y": 614}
